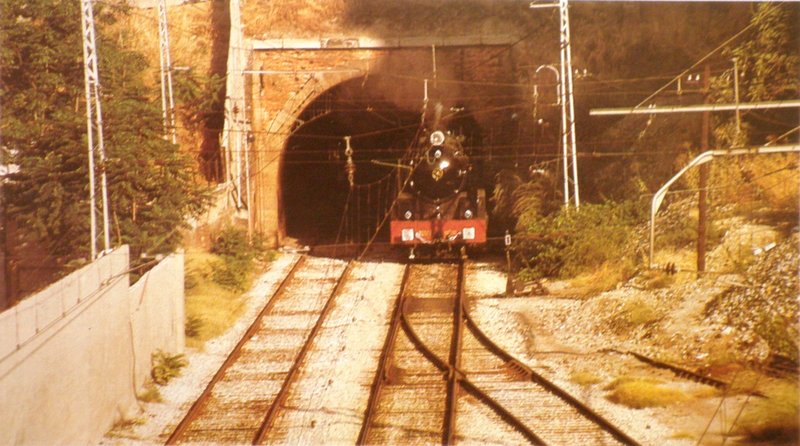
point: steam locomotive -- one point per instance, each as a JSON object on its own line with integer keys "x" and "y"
{"x": 441, "y": 209}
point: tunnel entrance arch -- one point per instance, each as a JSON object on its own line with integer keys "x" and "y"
{"x": 319, "y": 205}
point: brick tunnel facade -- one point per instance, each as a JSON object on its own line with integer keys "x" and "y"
{"x": 281, "y": 82}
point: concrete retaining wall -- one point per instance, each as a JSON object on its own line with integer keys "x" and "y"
{"x": 73, "y": 355}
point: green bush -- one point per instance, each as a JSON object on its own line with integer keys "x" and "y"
{"x": 232, "y": 242}
{"x": 233, "y": 273}
{"x": 237, "y": 255}
{"x": 570, "y": 241}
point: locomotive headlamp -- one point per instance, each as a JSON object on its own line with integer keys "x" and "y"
{"x": 408, "y": 215}
{"x": 468, "y": 214}
{"x": 444, "y": 164}
{"x": 437, "y": 138}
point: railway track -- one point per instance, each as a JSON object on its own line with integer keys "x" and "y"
{"x": 441, "y": 380}
{"x": 241, "y": 401}
{"x": 304, "y": 372}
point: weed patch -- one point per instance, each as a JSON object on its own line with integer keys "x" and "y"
{"x": 166, "y": 366}
{"x": 214, "y": 283}
{"x": 604, "y": 278}
{"x": 654, "y": 279}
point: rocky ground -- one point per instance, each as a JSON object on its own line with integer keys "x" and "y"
{"x": 732, "y": 327}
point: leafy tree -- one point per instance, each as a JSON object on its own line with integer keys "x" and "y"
{"x": 769, "y": 69}
{"x": 152, "y": 187}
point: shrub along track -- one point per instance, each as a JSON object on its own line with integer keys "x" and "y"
{"x": 479, "y": 393}
{"x": 241, "y": 400}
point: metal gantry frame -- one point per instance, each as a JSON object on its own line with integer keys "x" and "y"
{"x": 703, "y": 158}
{"x": 94, "y": 127}
{"x": 167, "y": 98}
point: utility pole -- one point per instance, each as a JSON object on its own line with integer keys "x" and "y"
{"x": 735, "y": 94}
{"x": 702, "y": 196}
{"x": 94, "y": 126}
{"x": 167, "y": 99}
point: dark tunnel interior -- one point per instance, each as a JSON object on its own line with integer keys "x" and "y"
{"x": 314, "y": 179}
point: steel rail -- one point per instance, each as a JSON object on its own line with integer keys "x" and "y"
{"x": 200, "y": 402}
{"x": 525, "y": 371}
{"x": 280, "y": 398}
{"x": 460, "y": 377}
{"x": 676, "y": 370}
{"x": 381, "y": 375}
{"x": 451, "y": 405}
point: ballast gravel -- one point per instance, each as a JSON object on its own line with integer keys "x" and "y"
{"x": 554, "y": 336}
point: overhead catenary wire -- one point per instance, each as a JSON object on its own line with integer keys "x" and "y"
{"x": 696, "y": 64}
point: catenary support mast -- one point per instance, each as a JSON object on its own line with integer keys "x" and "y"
{"x": 167, "y": 98}
{"x": 569, "y": 145}
{"x": 94, "y": 126}
{"x": 568, "y": 112}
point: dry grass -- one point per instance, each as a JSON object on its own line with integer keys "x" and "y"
{"x": 683, "y": 435}
{"x": 634, "y": 313}
{"x": 292, "y": 18}
{"x": 639, "y": 393}
{"x": 216, "y": 307}
{"x": 774, "y": 419}
{"x": 654, "y": 279}
{"x": 150, "y": 394}
{"x": 683, "y": 259}
{"x": 584, "y": 378}
{"x": 605, "y": 278}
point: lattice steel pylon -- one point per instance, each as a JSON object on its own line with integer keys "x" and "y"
{"x": 94, "y": 126}
{"x": 167, "y": 98}
{"x": 568, "y": 140}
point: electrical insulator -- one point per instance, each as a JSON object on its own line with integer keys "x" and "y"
{"x": 350, "y": 167}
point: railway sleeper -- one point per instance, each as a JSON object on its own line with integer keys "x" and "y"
{"x": 518, "y": 370}
{"x": 429, "y": 305}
